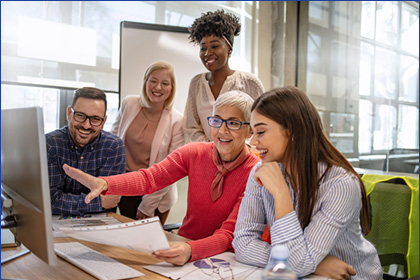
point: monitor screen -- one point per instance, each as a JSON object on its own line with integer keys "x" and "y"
{"x": 24, "y": 178}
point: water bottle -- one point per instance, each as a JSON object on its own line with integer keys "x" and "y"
{"x": 278, "y": 267}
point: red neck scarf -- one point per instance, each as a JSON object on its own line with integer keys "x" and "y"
{"x": 224, "y": 168}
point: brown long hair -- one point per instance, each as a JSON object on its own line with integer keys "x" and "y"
{"x": 291, "y": 108}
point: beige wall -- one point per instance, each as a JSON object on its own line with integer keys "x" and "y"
{"x": 275, "y": 40}
{"x": 261, "y": 61}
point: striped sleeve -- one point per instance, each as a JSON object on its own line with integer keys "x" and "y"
{"x": 337, "y": 206}
{"x": 247, "y": 243}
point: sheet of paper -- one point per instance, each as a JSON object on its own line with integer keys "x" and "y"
{"x": 80, "y": 221}
{"x": 69, "y": 217}
{"x": 315, "y": 277}
{"x": 225, "y": 263}
{"x": 142, "y": 235}
{"x": 256, "y": 275}
{"x": 201, "y": 270}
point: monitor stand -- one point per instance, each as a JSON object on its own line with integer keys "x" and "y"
{"x": 21, "y": 250}
{"x": 9, "y": 240}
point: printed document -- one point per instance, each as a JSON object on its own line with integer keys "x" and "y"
{"x": 142, "y": 235}
{"x": 221, "y": 266}
{"x": 80, "y": 221}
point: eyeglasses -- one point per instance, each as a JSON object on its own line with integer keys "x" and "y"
{"x": 217, "y": 266}
{"x": 81, "y": 117}
{"x": 230, "y": 124}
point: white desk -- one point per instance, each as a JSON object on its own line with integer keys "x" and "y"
{"x": 30, "y": 267}
{"x": 362, "y": 171}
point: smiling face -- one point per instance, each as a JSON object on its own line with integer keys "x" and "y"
{"x": 159, "y": 86}
{"x": 84, "y": 133}
{"x": 214, "y": 53}
{"x": 269, "y": 138}
{"x": 228, "y": 142}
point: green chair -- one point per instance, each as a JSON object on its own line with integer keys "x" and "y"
{"x": 394, "y": 205}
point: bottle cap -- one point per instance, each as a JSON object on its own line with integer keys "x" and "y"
{"x": 280, "y": 252}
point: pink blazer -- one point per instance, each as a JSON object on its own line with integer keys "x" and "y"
{"x": 168, "y": 137}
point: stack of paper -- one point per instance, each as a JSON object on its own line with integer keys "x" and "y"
{"x": 143, "y": 235}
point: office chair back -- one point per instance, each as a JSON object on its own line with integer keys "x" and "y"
{"x": 394, "y": 223}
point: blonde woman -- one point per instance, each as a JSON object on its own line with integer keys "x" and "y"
{"x": 151, "y": 129}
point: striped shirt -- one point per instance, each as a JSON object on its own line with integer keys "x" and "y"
{"x": 333, "y": 230}
{"x": 103, "y": 157}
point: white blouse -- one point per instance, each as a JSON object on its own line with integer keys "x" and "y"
{"x": 200, "y": 102}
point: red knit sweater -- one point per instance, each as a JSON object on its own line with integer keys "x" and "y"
{"x": 209, "y": 224}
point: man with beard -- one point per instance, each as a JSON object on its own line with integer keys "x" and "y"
{"x": 84, "y": 144}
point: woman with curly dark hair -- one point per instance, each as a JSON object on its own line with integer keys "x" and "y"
{"x": 214, "y": 32}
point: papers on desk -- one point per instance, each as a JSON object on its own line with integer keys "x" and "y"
{"x": 221, "y": 266}
{"x": 80, "y": 221}
{"x": 315, "y": 277}
{"x": 142, "y": 235}
{"x": 200, "y": 270}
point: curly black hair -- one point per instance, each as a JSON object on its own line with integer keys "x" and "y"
{"x": 216, "y": 23}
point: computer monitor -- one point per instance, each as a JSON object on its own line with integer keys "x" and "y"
{"x": 24, "y": 178}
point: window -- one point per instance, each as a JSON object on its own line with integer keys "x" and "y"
{"x": 21, "y": 96}
{"x": 50, "y": 48}
{"x": 329, "y": 75}
{"x": 389, "y": 81}
{"x": 359, "y": 64}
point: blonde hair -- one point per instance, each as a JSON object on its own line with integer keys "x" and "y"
{"x": 161, "y": 65}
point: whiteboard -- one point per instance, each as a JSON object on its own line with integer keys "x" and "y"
{"x": 142, "y": 44}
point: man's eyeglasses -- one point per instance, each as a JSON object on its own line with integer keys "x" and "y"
{"x": 216, "y": 266}
{"x": 230, "y": 124}
{"x": 81, "y": 117}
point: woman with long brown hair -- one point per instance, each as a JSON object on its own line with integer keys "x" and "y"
{"x": 305, "y": 189}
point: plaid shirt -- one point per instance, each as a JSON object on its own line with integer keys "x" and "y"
{"x": 105, "y": 156}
